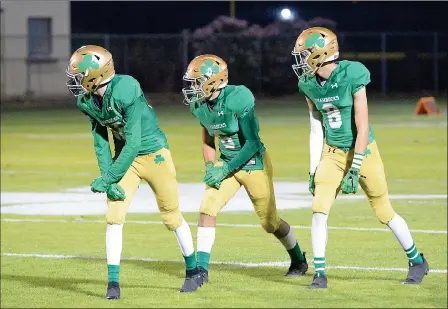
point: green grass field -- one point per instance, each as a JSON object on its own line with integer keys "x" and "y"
{"x": 57, "y": 260}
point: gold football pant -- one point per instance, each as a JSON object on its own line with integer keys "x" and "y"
{"x": 332, "y": 168}
{"x": 258, "y": 185}
{"x": 158, "y": 170}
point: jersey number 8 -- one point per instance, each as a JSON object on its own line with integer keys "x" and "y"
{"x": 333, "y": 115}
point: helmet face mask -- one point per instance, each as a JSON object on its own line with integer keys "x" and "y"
{"x": 74, "y": 83}
{"x": 301, "y": 67}
{"x": 194, "y": 92}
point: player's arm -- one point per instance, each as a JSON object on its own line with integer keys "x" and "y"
{"x": 248, "y": 125}
{"x": 359, "y": 80}
{"x": 101, "y": 145}
{"x": 132, "y": 131}
{"x": 316, "y": 136}
{"x": 208, "y": 148}
{"x": 361, "y": 120}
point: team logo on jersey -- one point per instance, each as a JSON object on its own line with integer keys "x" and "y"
{"x": 327, "y": 99}
{"x": 217, "y": 126}
{"x": 110, "y": 121}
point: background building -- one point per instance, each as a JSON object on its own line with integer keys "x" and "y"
{"x": 35, "y": 45}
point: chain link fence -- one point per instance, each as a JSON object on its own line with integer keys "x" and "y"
{"x": 398, "y": 62}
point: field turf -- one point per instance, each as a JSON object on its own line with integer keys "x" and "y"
{"x": 59, "y": 261}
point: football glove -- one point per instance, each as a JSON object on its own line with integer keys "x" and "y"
{"x": 350, "y": 182}
{"x": 208, "y": 166}
{"x": 214, "y": 175}
{"x": 311, "y": 184}
{"x": 351, "y": 179}
{"x": 115, "y": 192}
{"x": 98, "y": 185}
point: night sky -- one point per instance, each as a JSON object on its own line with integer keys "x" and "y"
{"x": 118, "y": 17}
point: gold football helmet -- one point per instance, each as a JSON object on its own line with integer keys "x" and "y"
{"x": 207, "y": 74}
{"x": 90, "y": 67}
{"x": 314, "y": 47}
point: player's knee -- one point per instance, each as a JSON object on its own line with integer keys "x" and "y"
{"x": 382, "y": 208}
{"x": 115, "y": 218}
{"x": 172, "y": 218}
{"x": 209, "y": 206}
{"x": 385, "y": 215}
{"x": 270, "y": 224}
{"x": 320, "y": 207}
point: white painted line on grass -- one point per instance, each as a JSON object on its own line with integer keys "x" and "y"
{"x": 239, "y": 264}
{"x": 344, "y": 228}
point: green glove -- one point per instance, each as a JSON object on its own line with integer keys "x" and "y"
{"x": 98, "y": 185}
{"x": 351, "y": 179}
{"x": 311, "y": 184}
{"x": 115, "y": 192}
{"x": 350, "y": 182}
{"x": 215, "y": 175}
{"x": 208, "y": 166}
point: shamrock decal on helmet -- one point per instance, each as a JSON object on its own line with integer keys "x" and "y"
{"x": 88, "y": 61}
{"x": 315, "y": 40}
{"x": 209, "y": 68}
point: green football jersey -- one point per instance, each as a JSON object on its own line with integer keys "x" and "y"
{"x": 221, "y": 119}
{"x": 132, "y": 121}
{"x": 334, "y": 100}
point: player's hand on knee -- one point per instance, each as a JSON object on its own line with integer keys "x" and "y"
{"x": 115, "y": 192}
{"x": 98, "y": 185}
{"x": 350, "y": 182}
{"x": 215, "y": 175}
{"x": 311, "y": 184}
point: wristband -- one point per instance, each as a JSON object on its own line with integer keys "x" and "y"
{"x": 357, "y": 161}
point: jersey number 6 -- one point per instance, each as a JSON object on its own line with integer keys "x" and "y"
{"x": 333, "y": 115}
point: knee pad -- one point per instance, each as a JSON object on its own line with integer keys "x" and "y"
{"x": 172, "y": 218}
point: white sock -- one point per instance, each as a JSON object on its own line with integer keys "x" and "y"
{"x": 184, "y": 239}
{"x": 114, "y": 243}
{"x": 205, "y": 238}
{"x": 400, "y": 228}
{"x": 289, "y": 241}
{"x": 319, "y": 234}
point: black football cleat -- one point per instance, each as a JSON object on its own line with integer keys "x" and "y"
{"x": 193, "y": 281}
{"x": 204, "y": 274}
{"x": 319, "y": 282}
{"x": 417, "y": 272}
{"x": 113, "y": 290}
{"x": 298, "y": 268}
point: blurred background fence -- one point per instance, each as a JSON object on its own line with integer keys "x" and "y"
{"x": 398, "y": 62}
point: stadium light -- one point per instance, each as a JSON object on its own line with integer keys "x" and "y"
{"x": 286, "y": 14}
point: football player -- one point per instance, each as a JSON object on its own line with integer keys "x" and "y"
{"x": 336, "y": 95}
{"x": 116, "y": 102}
{"x": 227, "y": 112}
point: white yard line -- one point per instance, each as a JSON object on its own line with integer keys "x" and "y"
{"x": 344, "y": 228}
{"x": 239, "y": 264}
